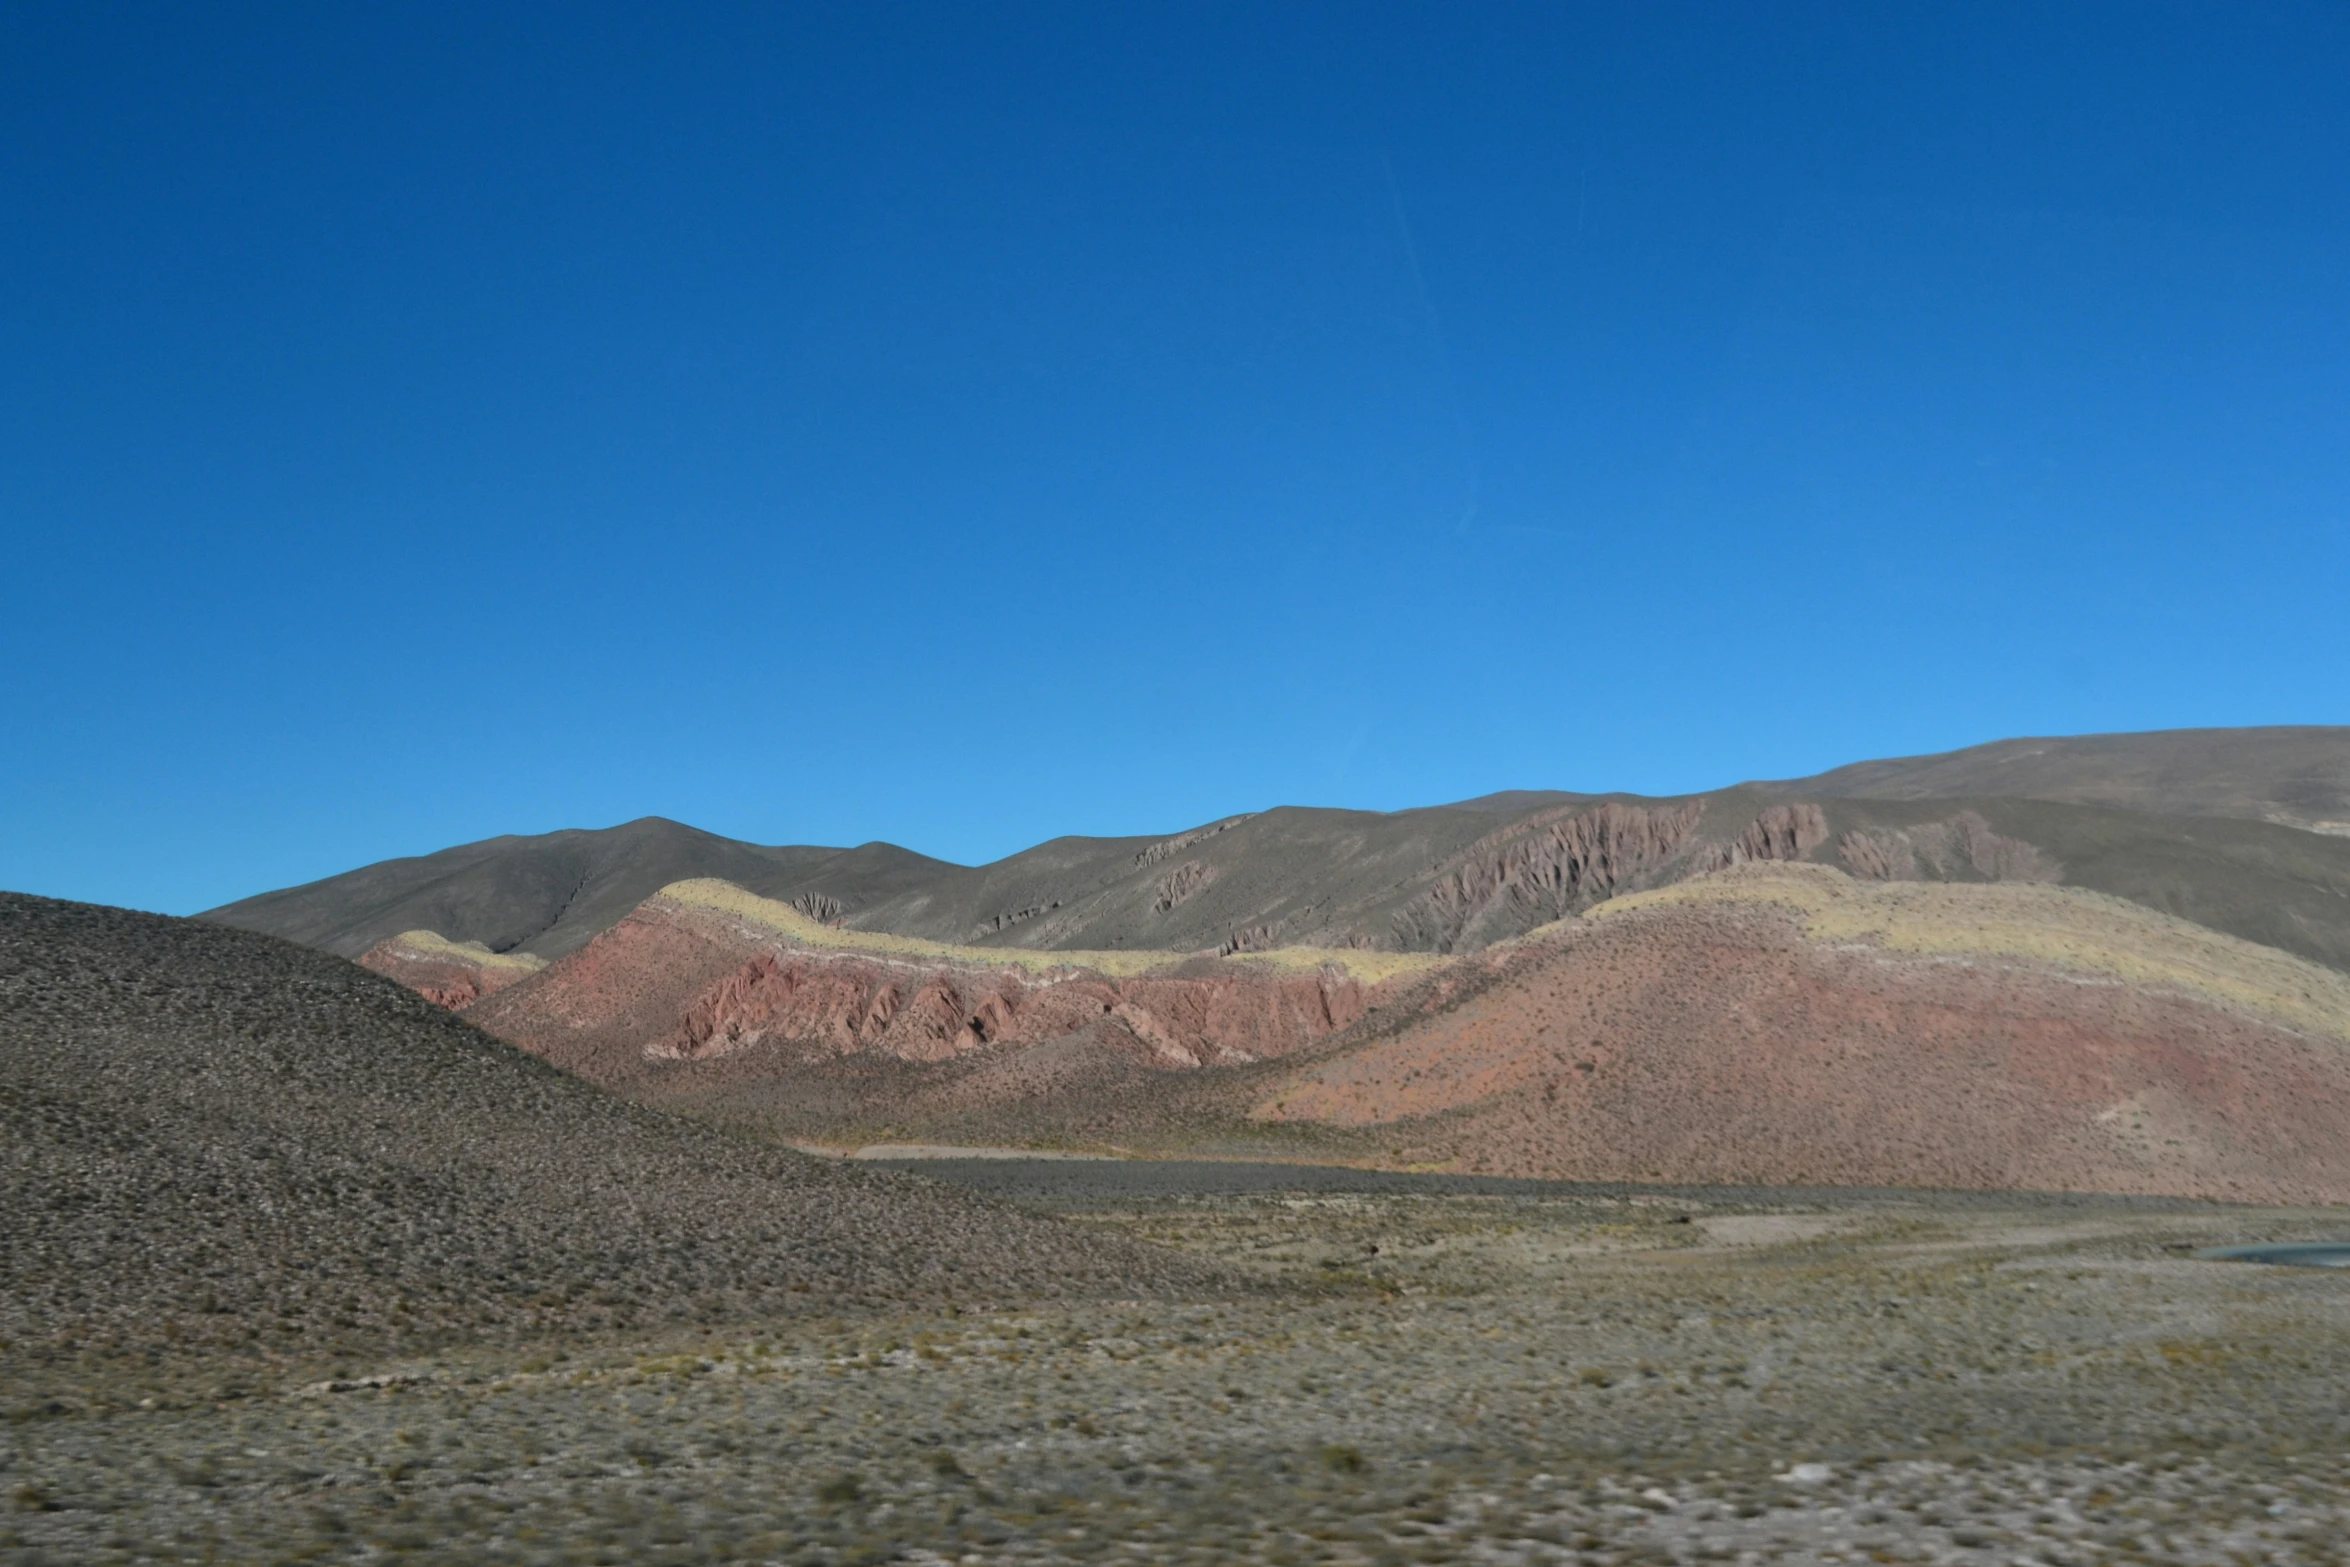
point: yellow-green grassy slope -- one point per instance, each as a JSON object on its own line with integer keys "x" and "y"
{"x": 2066, "y": 927}
{"x": 431, "y": 944}
{"x": 781, "y": 919}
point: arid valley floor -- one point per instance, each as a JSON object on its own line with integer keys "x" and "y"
{"x": 1400, "y": 1370}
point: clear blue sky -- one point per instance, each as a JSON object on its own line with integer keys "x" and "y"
{"x": 964, "y": 425}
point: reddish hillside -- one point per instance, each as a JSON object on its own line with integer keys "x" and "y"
{"x": 705, "y": 972}
{"x": 1769, "y": 1023}
{"x": 1788, "y": 1025}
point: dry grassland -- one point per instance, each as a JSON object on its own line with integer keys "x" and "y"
{"x": 2085, "y": 932}
{"x": 783, "y": 920}
{"x": 1426, "y": 1376}
{"x": 429, "y": 945}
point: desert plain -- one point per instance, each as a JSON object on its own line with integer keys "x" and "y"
{"x": 1388, "y": 1370}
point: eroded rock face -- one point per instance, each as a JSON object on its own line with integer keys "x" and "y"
{"x": 1544, "y": 870}
{"x": 1179, "y": 885}
{"x": 1780, "y": 833}
{"x": 447, "y": 973}
{"x": 677, "y": 984}
{"x": 1943, "y": 851}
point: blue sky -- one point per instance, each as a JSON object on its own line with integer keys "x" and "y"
{"x": 962, "y": 425}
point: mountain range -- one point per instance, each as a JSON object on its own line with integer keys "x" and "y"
{"x": 2114, "y": 963}
{"x": 2245, "y": 831}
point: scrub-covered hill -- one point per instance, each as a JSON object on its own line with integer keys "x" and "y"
{"x": 212, "y": 1136}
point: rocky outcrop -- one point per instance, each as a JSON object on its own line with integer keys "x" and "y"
{"x": 996, "y": 923}
{"x": 823, "y": 908}
{"x": 451, "y": 974}
{"x": 1781, "y": 833}
{"x": 1168, "y": 848}
{"x": 1944, "y": 851}
{"x": 1544, "y": 870}
{"x": 683, "y": 984}
{"x": 1178, "y": 886}
{"x": 1254, "y": 938}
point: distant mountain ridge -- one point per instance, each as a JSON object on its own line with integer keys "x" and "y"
{"x": 2228, "y": 828}
{"x": 2298, "y": 776}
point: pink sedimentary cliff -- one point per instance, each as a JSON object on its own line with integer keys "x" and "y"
{"x": 678, "y": 983}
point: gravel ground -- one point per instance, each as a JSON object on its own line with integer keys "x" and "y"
{"x": 1431, "y": 1376}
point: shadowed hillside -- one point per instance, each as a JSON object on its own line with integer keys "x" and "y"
{"x": 212, "y": 1136}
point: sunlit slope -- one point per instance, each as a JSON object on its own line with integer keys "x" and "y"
{"x": 790, "y": 924}
{"x": 2065, "y": 929}
{"x": 1787, "y": 1024}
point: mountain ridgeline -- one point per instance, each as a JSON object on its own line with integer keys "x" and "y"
{"x": 2243, "y": 831}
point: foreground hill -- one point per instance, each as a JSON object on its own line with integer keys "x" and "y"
{"x": 2212, "y": 826}
{"x": 1768, "y": 1023}
{"x": 208, "y": 1135}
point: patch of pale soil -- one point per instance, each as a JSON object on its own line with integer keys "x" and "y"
{"x": 1768, "y": 1229}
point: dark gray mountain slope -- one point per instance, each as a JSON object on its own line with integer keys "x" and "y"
{"x": 2299, "y": 776}
{"x": 207, "y": 1134}
{"x": 1445, "y": 878}
{"x": 550, "y": 893}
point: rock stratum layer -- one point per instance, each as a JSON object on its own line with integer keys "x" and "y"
{"x": 1774, "y": 1023}
{"x": 704, "y": 971}
{"x": 452, "y": 974}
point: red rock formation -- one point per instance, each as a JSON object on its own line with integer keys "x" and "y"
{"x": 1708, "y": 1033}
{"x": 673, "y": 983}
{"x": 1719, "y": 1044}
